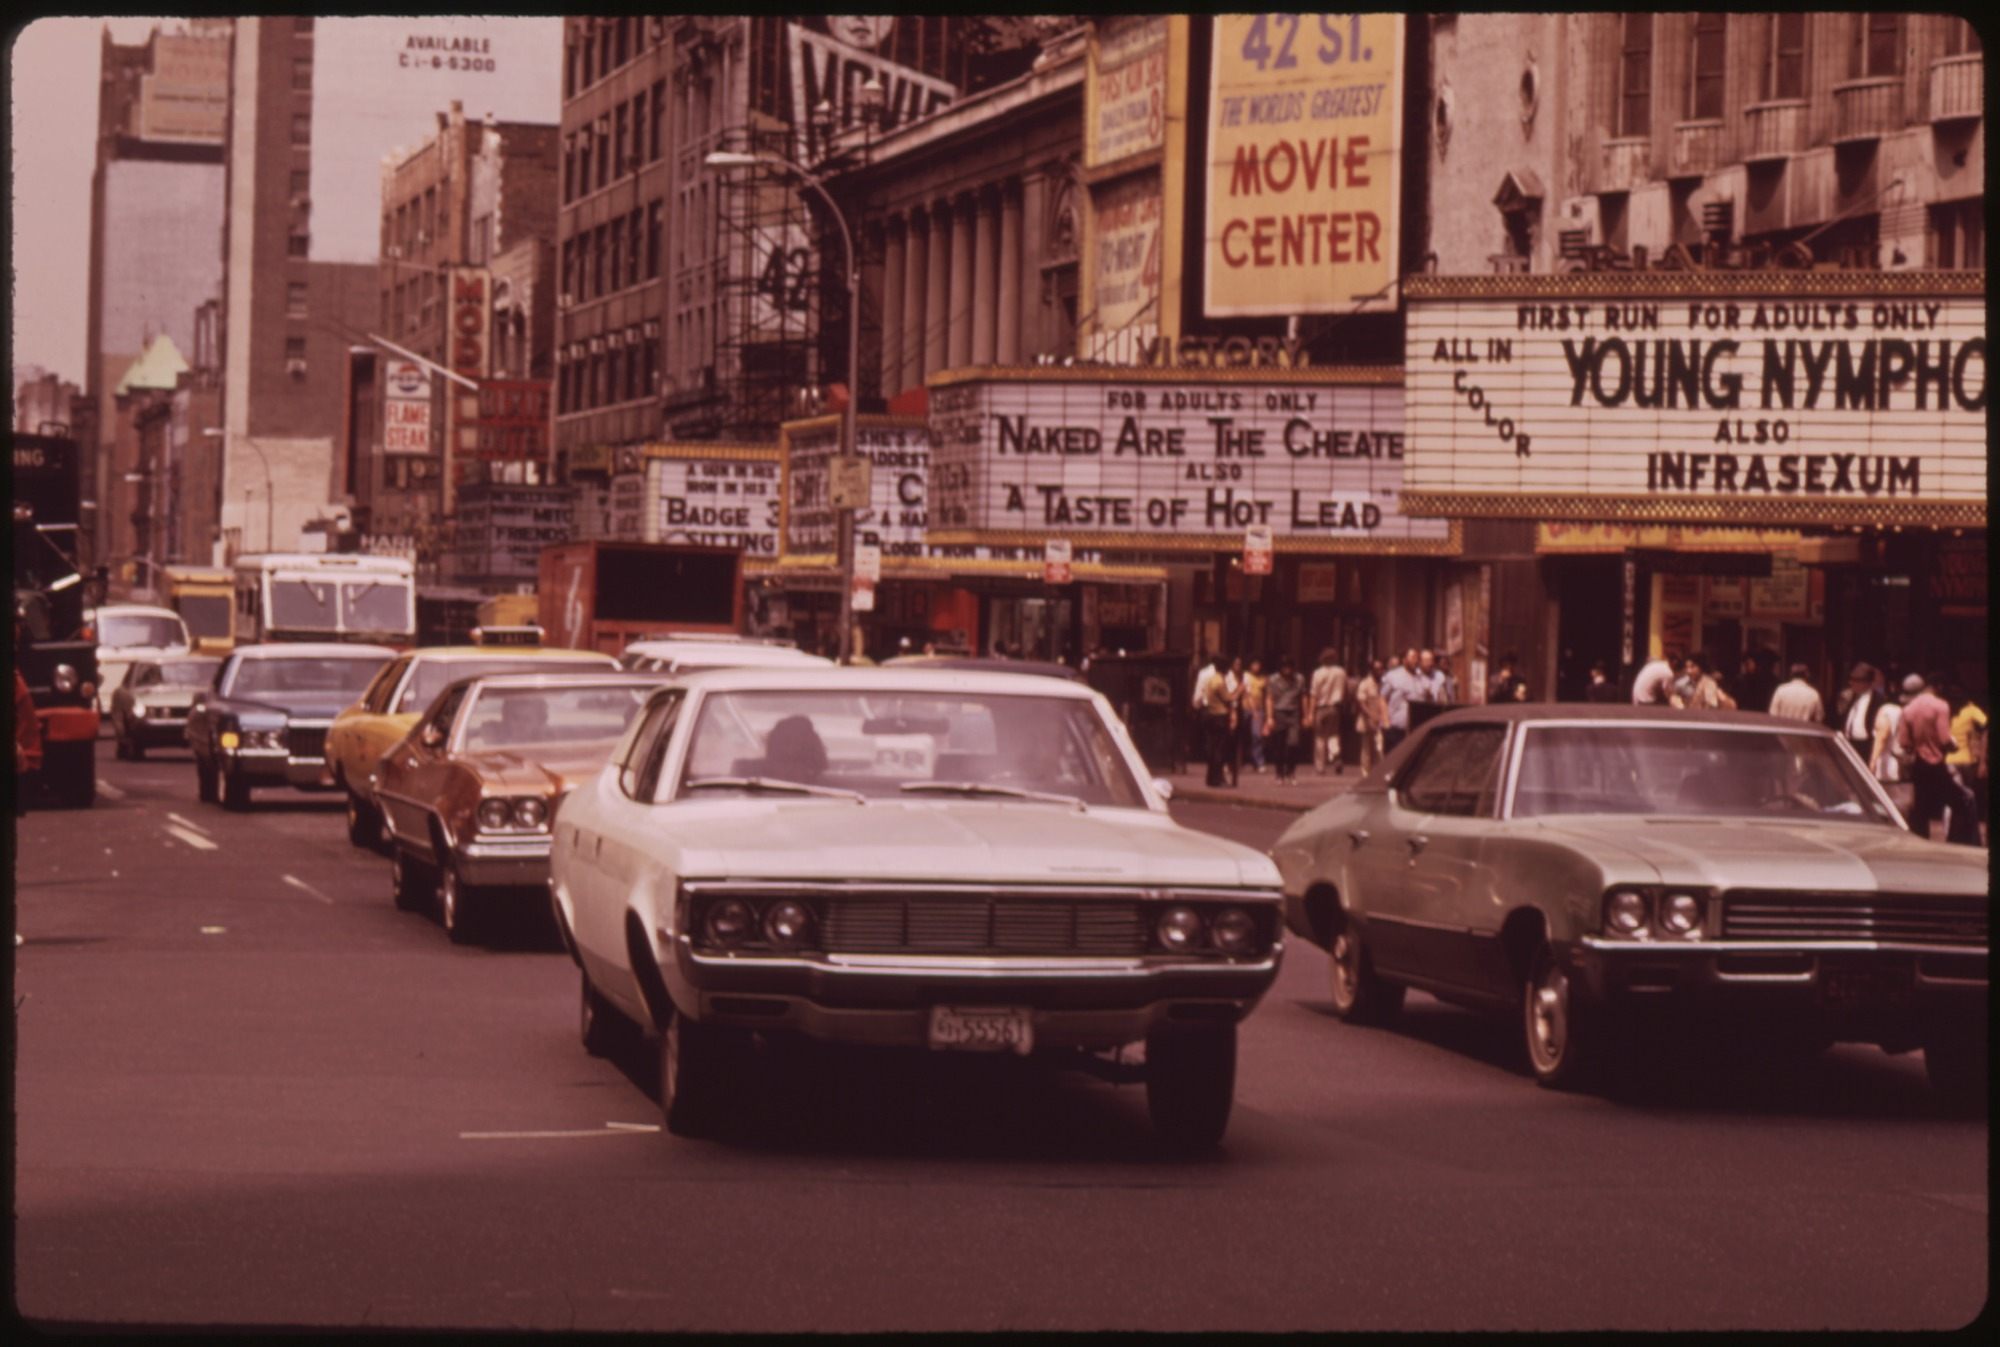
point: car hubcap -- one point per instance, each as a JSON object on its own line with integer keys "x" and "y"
{"x": 1345, "y": 975}
{"x": 670, "y": 1077}
{"x": 1549, "y": 1016}
{"x": 448, "y": 895}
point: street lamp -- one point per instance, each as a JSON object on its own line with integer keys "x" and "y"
{"x": 270, "y": 494}
{"x": 844, "y": 516}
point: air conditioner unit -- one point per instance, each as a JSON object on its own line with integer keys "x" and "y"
{"x": 295, "y": 367}
{"x": 301, "y": 202}
{"x": 394, "y": 251}
{"x": 652, "y": 328}
{"x": 1581, "y": 212}
{"x": 596, "y": 345}
{"x": 566, "y": 300}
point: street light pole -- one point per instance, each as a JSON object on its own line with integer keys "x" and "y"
{"x": 844, "y": 516}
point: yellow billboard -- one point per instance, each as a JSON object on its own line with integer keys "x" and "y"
{"x": 1304, "y": 164}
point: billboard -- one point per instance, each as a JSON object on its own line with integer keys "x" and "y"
{"x": 718, "y": 498}
{"x": 1125, "y": 89}
{"x": 832, "y": 70}
{"x": 1304, "y": 164}
{"x": 1125, "y": 243}
{"x": 379, "y": 84}
{"x": 1174, "y": 460}
{"x": 899, "y": 453}
{"x": 1764, "y": 398}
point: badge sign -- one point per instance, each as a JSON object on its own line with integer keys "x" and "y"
{"x": 1055, "y": 561}
{"x": 1257, "y": 550}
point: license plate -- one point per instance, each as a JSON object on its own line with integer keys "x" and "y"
{"x": 982, "y": 1029}
{"x": 1861, "y": 986}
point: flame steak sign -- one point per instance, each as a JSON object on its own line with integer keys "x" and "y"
{"x": 1771, "y": 399}
{"x": 1203, "y": 459}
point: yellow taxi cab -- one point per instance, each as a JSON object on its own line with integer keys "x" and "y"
{"x": 395, "y": 701}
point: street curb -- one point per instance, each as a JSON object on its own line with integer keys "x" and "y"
{"x": 1204, "y": 796}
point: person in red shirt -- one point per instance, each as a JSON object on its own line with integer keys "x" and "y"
{"x": 1924, "y": 735}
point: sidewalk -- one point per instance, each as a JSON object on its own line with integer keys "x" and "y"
{"x": 1261, "y": 789}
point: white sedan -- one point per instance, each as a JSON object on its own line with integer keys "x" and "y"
{"x": 933, "y": 860}
{"x": 132, "y": 633}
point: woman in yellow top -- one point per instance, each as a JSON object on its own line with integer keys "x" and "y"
{"x": 1967, "y": 760}
{"x": 1253, "y": 705}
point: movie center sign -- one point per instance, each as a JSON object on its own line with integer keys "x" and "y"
{"x": 1176, "y": 460}
{"x": 1762, "y": 398}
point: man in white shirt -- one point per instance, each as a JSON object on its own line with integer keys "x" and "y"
{"x": 1798, "y": 699}
{"x": 1401, "y": 686}
{"x": 1655, "y": 684}
{"x": 1324, "y": 709}
{"x": 1216, "y": 712}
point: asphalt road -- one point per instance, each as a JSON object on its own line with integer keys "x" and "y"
{"x": 250, "y": 1091}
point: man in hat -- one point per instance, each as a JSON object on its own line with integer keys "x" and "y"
{"x": 1860, "y": 705}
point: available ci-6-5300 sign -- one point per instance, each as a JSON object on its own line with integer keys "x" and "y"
{"x": 1773, "y": 398}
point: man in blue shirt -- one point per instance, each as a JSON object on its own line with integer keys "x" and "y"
{"x": 1401, "y": 686}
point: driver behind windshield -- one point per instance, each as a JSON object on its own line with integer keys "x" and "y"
{"x": 794, "y": 751}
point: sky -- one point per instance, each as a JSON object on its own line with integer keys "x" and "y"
{"x": 53, "y": 65}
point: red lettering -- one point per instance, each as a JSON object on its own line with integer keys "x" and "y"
{"x": 1367, "y": 237}
{"x": 1292, "y": 243}
{"x": 1337, "y": 242}
{"x": 1243, "y": 177}
{"x": 1260, "y": 240}
{"x": 1271, "y": 167}
{"x": 1355, "y": 159}
{"x": 1229, "y": 231}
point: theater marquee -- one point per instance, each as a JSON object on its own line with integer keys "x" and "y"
{"x": 1758, "y": 398}
{"x": 1174, "y": 459}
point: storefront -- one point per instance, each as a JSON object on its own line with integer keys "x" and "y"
{"x": 1195, "y": 469}
{"x": 1719, "y": 461}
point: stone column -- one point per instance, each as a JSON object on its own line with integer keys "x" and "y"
{"x": 1012, "y": 301}
{"x": 1034, "y": 245}
{"x": 937, "y": 291}
{"x": 892, "y": 307}
{"x": 913, "y": 302}
{"x": 985, "y": 272}
{"x": 960, "y": 306}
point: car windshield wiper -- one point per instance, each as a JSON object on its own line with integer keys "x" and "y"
{"x": 986, "y": 788}
{"x": 774, "y": 783}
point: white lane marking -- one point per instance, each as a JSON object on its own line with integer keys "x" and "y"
{"x": 511, "y": 1136}
{"x": 300, "y": 884}
{"x": 195, "y": 840}
{"x": 188, "y": 823}
{"x": 634, "y": 1127}
{"x": 213, "y": 930}
{"x": 106, "y": 788}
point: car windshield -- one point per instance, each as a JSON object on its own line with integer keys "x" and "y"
{"x": 880, "y": 742}
{"x": 189, "y": 673}
{"x": 431, "y": 676}
{"x": 303, "y": 605}
{"x": 518, "y": 717}
{"x": 374, "y": 605}
{"x": 1698, "y": 770}
{"x": 205, "y": 614}
{"x": 332, "y": 673}
{"x": 139, "y": 629}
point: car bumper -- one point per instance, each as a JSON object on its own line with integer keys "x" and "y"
{"x": 158, "y": 731}
{"x": 1858, "y": 986}
{"x": 67, "y": 724}
{"x": 279, "y": 769}
{"x": 885, "y": 1000}
{"x": 505, "y": 864}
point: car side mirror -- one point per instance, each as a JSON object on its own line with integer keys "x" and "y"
{"x": 1164, "y": 787}
{"x": 431, "y": 737}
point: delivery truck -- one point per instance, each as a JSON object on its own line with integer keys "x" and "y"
{"x": 600, "y": 595}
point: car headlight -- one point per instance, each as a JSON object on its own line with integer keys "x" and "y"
{"x": 788, "y": 923}
{"x": 64, "y": 678}
{"x": 531, "y": 811}
{"x": 1680, "y": 914}
{"x": 494, "y": 814}
{"x": 229, "y": 739}
{"x": 138, "y": 710}
{"x": 1232, "y": 930}
{"x": 263, "y": 738}
{"x": 1625, "y": 911}
{"x": 1179, "y": 928}
{"x": 729, "y": 921}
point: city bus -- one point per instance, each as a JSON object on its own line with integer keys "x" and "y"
{"x": 313, "y": 596}
{"x": 205, "y": 597}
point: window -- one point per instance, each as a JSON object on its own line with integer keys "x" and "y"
{"x": 1457, "y": 772}
{"x": 301, "y": 182}
{"x": 638, "y": 130}
{"x": 297, "y": 244}
{"x": 639, "y": 773}
{"x": 621, "y": 138}
{"x": 1878, "y": 46}
{"x": 604, "y": 37}
{"x": 614, "y": 374}
{"x": 1961, "y": 39}
{"x": 603, "y": 150}
{"x": 569, "y": 169}
{"x": 1709, "y": 38}
{"x": 598, "y": 249}
{"x": 624, "y": 41}
{"x": 302, "y": 128}
{"x": 648, "y": 373}
{"x": 302, "y": 28}
{"x": 1635, "y": 76}
{"x": 1958, "y": 235}
{"x": 583, "y": 163}
{"x": 302, "y": 72}
{"x": 659, "y": 107}
{"x": 617, "y": 228}
{"x": 295, "y": 299}
{"x": 1785, "y": 76}
{"x": 655, "y": 217}
{"x": 589, "y": 59}
{"x": 632, "y": 247}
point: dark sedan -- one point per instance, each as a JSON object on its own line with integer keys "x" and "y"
{"x": 264, "y": 722}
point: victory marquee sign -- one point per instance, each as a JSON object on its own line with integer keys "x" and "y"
{"x": 1767, "y": 398}
{"x": 1176, "y": 460}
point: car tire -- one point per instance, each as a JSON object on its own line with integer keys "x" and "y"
{"x": 1359, "y": 995}
{"x": 408, "y": 884}
{"x": 1564, "y": 1038}
{"x": 121, "y": 747}
{"x": 364, "y": 828}
{"x": 235, "y": 791}
{"x": 691, "y": 1075}
{"x": 1191, "y": 1085}
{"x": 599, "y": 1021}
{"x": 1957, "y": 1067}
{"x": 204, "y": 780}
{"x": 457, "y": 903}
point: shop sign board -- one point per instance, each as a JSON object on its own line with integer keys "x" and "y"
{"x": 1560, "y": 536}
{"x": 502, "y": 529}
{"x": 1125, "y": 89}
{"x": 892, "y": 513}
{"x": 862, "y": 595}
{"x": 715, "y": 501}
{"x": 406, "y": 427}
{"x": 511, "y": 425}
{"x": 1055, "y": 561}
{"x": 867, "y": 562}
{"x": 1304, "y": 171}
{"x": 1756, "y": 398}
{"x": 405, "y": 381}
{"x": 1257, "y": 550}
{"x": 1177, "y": 461}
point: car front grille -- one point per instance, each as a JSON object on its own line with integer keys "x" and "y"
{"x": 960, "y": 924}
{"x": 1907, "y": 918}
{"x": 306, "y": 741}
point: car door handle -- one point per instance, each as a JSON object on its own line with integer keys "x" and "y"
{"x": 1417, "y": 844}
{"x": 1358, "y": 836}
